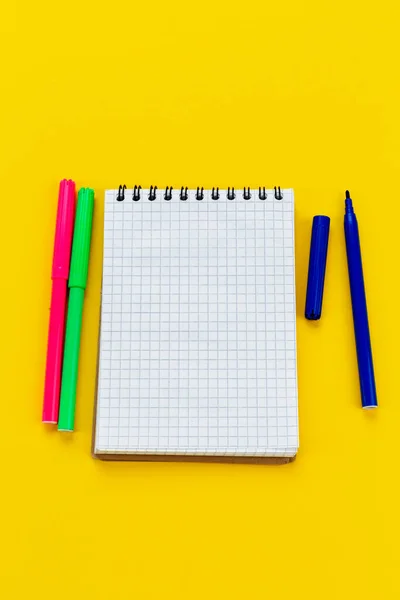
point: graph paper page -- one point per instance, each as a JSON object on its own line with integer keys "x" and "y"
{"x": 198, "y": 338}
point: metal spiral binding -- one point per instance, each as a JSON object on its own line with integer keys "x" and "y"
{"x": 184, "y": 193}
{"x": 215, "y": 194}
{"x": 246, "y": 195}
{"x": 136, "y": 193}
{"x": 121, "y": 193}
{"x": 152, "y": 193}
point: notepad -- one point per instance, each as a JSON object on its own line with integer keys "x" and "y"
{"x": 197, "y": 350}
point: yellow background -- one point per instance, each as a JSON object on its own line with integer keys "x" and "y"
{"x": 300, "y": 94}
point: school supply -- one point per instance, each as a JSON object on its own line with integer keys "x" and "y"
{"x": 59, "y": 275}
{"x": 197, "y": 352}
{"x": 77, "y": 285}
{"x": 317, "y": 267}
{"x": 359, "y": 305}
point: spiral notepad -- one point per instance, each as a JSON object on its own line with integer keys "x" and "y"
{"x": 197, "y": 350}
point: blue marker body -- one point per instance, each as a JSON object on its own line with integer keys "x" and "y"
{"x": 359, "y": 304}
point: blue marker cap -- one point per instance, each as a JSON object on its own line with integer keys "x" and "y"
{"x": 316, "y": 267}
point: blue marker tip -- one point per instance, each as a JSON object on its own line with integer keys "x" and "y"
{"x": 348, "y": 203}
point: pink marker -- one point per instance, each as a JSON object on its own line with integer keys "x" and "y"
{"x": 59, "y": 275}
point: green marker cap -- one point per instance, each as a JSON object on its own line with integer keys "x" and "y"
{"x": 81, "y": 243}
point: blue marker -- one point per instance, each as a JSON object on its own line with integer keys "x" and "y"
{"x": 359, "y": 303}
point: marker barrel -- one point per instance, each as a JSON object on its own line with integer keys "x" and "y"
{"x": 77, "y": 284}
{"x": 59, "y": 275}
{"x": 359, "y": 306}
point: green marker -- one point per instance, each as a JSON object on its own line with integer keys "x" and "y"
{"x": 77, "y": 283}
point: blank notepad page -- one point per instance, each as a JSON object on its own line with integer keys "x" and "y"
{"x": 198, "y": 337}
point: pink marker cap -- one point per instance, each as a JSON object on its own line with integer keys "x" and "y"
{"x": 64, "y": 230}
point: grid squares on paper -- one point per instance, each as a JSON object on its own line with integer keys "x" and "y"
{"x": 198, "y": 336}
